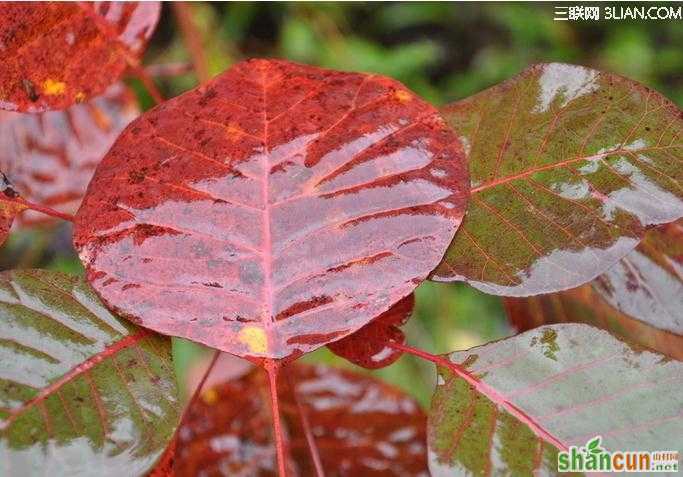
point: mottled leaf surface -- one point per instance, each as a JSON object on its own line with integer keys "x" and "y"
{"x": 568, "y": 383}
{"x": 273, "y": 210}
{"x": 647, "y": 284}
{"x": 567, "y": 165}
{"x": 9, "y": 206}
{"x": 367, "y": 347}
{"x": 50, "y": 157}
{"x": 82, "y": 392}
{"x": 585, "y": 305}
{"x": 361, "y": 427}
{"x": 56, "y": 54}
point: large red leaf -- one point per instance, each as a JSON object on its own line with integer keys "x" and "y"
{"x": 360, "y": 427}
{"x": 568, "y": 165}
{"x": 55, "y": 54}
{"x": 275, "y": 209}
{"x": 585, "y": 305}
{"x": 9, "y": 207}
{"x": 647, "y": 284}
{"x": 508, "y": 407}
{"x": 368, "y": 346}
{"x": 82, "y": 392}
{"x": 50, "y": 157}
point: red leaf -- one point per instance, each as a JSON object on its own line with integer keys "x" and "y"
{"x": 59, "y": 53}
{"x": 361, "y": 427}
{"x": 9, "y": 208}
{"x": 273, "y": 210}
{"x": 367, "y": 346}
{"x": 50, "y": 157}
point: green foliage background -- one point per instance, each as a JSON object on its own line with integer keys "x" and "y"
{"x": 443, "y": 51}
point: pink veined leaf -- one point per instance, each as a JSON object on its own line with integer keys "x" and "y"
{"x": 368, "y": 346}
{"x": 568, "y": 166}
{"x": 56, "y": 54}
{"x": 50, "y": 157}
{"x": 273, "y": 210}
{"x": 647, "y": 284}
{"x": 359, "y": 427}
{"x": 508, "y": 407}
{"x": 82, "y": 391}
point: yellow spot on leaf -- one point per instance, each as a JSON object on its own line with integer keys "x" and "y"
{"x": 52, "y": 87}
{"x": 210, "y": 396}
{"x": 255, "y": 339}
{"x": 403, "y": 96}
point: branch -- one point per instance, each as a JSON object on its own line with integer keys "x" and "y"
{"x": 168, "y": 70}
{"x": 272, "y": 369}
{"x": 305, "y": 423}
{"x": 484, "y": 389}
{"x": 193, "y": 40}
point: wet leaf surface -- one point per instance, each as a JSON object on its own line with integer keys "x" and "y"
{"x": 273, "y": 210}
{"x": 80, "y": 389}
{"x": 585, "y": 305}
{"x": 366, "y": 347}
{"x": 571, "y": 381}
{"x": 56, "y": 54}
{"x": 361, "y": 427}
{"x": 50, "y": 157}
{"x": 8, "y": 207}
{"x": 647, "y": 284}
{"x": 567, "y": 165}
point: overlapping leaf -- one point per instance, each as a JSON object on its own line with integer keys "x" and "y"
{"x": 58, "y": 53}
{"x": 273, "y": 210}
{"x": 585, "y": 305}
{"x": 368, "y": 347}
{"x": 545, "y": 390}
{"x": 360, "y": 427}
{"x": 50, "y": 157}
{"x": 9, "y": 206}
{"x": 567, "y": 165}
{"x": 80, "y": 389}
{"x": 647, "y": 284}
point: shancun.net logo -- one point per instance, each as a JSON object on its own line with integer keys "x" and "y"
{"x": 593, "y": 458}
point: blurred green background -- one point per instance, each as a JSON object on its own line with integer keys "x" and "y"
{"x": 442, "y": 51}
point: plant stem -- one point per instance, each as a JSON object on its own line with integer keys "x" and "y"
{"x": 272, "y": 369}
{"x": 147, "y": 82}
{"x": 193, "y": 40}
{"x": 305, "y": 423}
{"x": 40, "y": 208}
{"x": 168, "y": 70}
{"x": 484, "y": 389}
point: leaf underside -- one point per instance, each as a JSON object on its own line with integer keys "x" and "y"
{"x": 368, "y": 347}
{"x": 569, "y": 383}
{"x": 361, "y": 427}
{"x": 273, "y": 210}
{"x": 50, "y": 157}
{"x": 647, "y": 284}
{"x": 56, "y": 54}
{"x": 80, "y": 390}
{"x": 567, "y": 165}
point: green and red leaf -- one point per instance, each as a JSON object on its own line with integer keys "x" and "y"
{"x": 50, "y": 157}
{"x": 358, "y": 426}
{"x": 273, "y": 210}
{"x": 508, "y": 407}
{"x": 80, "y": 389}
{"x": 56, "y": 54}
{"x": 568, "y": 165}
